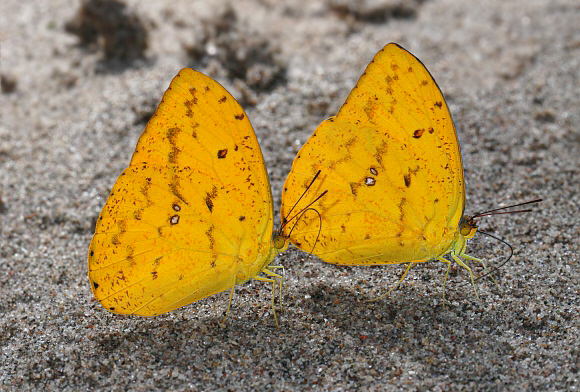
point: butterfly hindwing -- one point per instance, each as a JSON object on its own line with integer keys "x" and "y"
{"x": 192, "y": 215}
{"x": 391, "y": 164}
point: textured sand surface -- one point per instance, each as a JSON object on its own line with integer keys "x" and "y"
{"x": 71, "y": 114}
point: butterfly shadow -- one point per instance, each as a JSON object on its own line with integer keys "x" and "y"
{"x": 181, "y": 333}
{"x": 356, "y": 309}
{"x": 317, "y": 316}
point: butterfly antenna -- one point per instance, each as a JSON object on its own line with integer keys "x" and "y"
{"x": 319, "y": 227}
{"x": 495, "y": 210}
{"x": 499, "y": 266}
{"x": 308, "y": 207}
{"x": 297, "y": 216}
{"x": 301, "y": 196}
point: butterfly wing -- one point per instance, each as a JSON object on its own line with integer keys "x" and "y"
{"x": 391, "y": 164}
{"x": 192, "y": 215}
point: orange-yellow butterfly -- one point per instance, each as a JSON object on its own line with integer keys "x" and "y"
{"x": 192, "y": 215}
{"x": 391, "y": 165}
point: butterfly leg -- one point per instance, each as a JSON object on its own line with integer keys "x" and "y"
{"x": 275, "y": 279}
{"x": 281, "y": 279}
{"x": 468, "y": 257}
{"x": 444, "y": 260}
{"x": 409, "y": 266}
{"x": 464, "y": 265}
{"x": 230, "y": 302}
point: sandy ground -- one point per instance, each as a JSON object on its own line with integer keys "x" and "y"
{"x": 72, "y": 111}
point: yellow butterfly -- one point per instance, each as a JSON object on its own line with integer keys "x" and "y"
{"x": 391, "y": 167}
{"x": 192, "y": 215}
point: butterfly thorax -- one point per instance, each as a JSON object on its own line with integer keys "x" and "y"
{"x": 263, "y": 255}
{"x": 466, "y": 230}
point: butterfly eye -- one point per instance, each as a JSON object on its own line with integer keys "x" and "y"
{"x": 279, "y": 241}
{"x": 465, "y": 226}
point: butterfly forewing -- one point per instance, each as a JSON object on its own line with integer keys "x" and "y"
{"x": 192, "y": 214}
{"x": 391, "y": 163}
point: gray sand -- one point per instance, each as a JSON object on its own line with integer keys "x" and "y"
{"x": 510, "y": 73}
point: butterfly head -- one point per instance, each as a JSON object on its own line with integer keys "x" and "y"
{"x": 467, "y": 227}
{"x": 280, "y": 240}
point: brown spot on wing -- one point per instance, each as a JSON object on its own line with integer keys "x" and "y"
{"x": 209, "y": 198}
{"x": 193, "y": 91}
{"x": 223, "y": 99}
{"x": 211, "y": 238}
{"x": 194, "y": 126}
{"x": 172, "y": 138}
{"x": 239, "y": 116}
{"x": 391, "y": 109}
{"x": 122, "y": 228}
{"x": 130, "y": 249}
{"x": 400, "y": 206}
{"x": 438, "y": 104}
{"x": 174, "y": 187}
{"x": 401, "y": 217}
{"x": 418, "y": 133}
{"x": 345, "y": 157}
{"x": 369, "y": 109}
{"x": 407, "y": 177}
{"x": 189, "y": 106}
{"x": 380, "y": 151}
{"x": 370, "y": 181}
{"x": 144, "y": 190}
